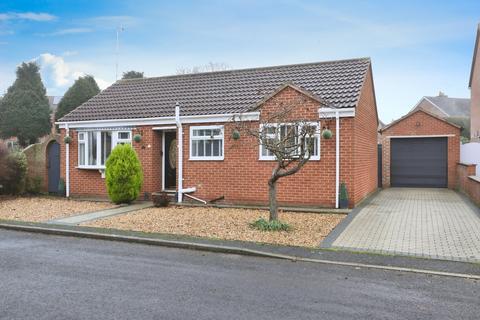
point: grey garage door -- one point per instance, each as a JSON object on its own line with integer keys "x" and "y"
{"x": 418, "y": 162}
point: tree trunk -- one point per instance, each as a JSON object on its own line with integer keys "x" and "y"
{"x": 272, "y": 184}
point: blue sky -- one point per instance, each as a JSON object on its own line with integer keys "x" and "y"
{"x": 417, "y": 47}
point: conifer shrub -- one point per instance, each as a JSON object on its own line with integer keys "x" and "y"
{"x": 123, "y": 174}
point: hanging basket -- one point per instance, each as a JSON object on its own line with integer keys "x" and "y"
{"x": 137, "y": 138}
{"x": 236, "y": 134}
{"x": 327, "y": 134}
{"x": 67, "y": 139}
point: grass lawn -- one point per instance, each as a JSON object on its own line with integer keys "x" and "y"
{"x": 309, "y": 229}
{"x": 43, "y": 208}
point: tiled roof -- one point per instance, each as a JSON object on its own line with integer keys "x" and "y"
{"x": 454, "y": 107}
{"x": 337, "y": 83}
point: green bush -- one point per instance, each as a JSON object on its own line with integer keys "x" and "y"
{"x": 274, "y": 225}
{"x": 13, "y": 166}
{"x": 34, "y": 185}
{"x": 123, "y": 175}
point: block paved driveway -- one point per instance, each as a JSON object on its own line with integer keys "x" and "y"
{"x": 429, "y": 223}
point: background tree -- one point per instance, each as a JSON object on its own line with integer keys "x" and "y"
{"x": 24, "y": 110}
{"x": 132, "y": 75}
{"x": 209, "y": 67}
{"x": 290, "y": 140}
{"x": 464, "y": 122}
{"x": 82, "y": 90}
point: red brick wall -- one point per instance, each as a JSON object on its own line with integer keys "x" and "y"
{"x": 467, "y": 182}
{"x": 242, "y": 178}
{"x": 88, "y": 182}
{"x": 365, "y": 164}
{"x": 420, "y": 124}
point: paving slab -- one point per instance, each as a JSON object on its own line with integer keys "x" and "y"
{"x": 81, "y": 218}
{"x": 421, "y": 222}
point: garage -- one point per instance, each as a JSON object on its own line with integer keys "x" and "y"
{"x": 420, "y": 150}
{"x": 419, "y": 162}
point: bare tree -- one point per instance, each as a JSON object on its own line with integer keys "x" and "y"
{"x": 209, "y": 67}
{"x": 288, "y": 140}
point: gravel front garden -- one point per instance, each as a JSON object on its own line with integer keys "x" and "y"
{"x": 308, "y": 229}
{"x": 41, "y": 209}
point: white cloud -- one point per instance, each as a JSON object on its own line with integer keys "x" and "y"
{"x": 69, "y": 53}
{"x": 55, "y": 68}
{"x": 41, "y": 16}
{"x": 32, "y": 16}
{"x": 67, "y": 31}
{"x": 110, "y": 22}
{"x": 58, "y": 75}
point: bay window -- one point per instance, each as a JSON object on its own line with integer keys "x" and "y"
{"x": 274, "y": 133}
{"x": 95, "y": 146}
{"x": 206, "y": 143}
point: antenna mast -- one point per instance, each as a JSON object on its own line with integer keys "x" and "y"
{"x": 119, "y": 29}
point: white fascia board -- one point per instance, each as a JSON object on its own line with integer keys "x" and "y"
{"x": 250, "y": 116}
{"x": 331, "y": 112}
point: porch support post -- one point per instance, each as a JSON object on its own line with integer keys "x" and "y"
{"x": 337, "y": 156}
{"x": 179, "y": 153}
{"x": 67, "y": 163}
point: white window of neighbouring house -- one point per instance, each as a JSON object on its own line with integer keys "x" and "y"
{"x": 206, "y": 143}
{"x": 280, "y": 132}
{"x": 94, "y": 147}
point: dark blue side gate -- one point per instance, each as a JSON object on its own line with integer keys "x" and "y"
{"x": 53, "y": 166}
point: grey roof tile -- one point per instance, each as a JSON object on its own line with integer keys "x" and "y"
{"x": 338, "y": 83}
{"x": 454, "y": 107}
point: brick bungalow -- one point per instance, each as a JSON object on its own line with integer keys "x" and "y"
{"x": 198, "y": 109}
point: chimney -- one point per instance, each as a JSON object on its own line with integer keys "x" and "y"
{"x": 441, "y": 94}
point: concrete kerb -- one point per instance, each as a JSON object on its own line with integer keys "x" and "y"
{"x": 220, "y": 249}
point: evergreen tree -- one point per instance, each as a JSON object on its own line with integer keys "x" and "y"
{"x": 82, "y": 90}
{"x": 24, "y": 110}
{"x": 132, "y": 75}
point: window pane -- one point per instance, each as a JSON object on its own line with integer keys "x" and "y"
{"x": 208, "y": 148}
{"x": 81, "y": 154}
{"x": 201, "y": 150}
{"x": 106, "y": 146}
{"x": 81, "y": 136}
{"x": 124, "y": 135}
{"x": 194, "y": 148}
{"x": 92, "y": 148}
{"x": 217, "y": 148}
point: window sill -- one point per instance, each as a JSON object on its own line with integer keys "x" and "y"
{"x": 90, "y": 167}
{"x": 207, "y": 159}
{"x": 273, "y": 159}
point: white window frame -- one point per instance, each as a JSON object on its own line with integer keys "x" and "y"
{"x": 98, "y": 137}
{"x": 221, "y": 136}
{"x": 276, "y": 125}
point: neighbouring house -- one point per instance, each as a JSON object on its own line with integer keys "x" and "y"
{"x": 474, "y": 85}
{"x": 444, "y": 106}
{"x": 181, "y": 128}
{"x": 420, "y": 149}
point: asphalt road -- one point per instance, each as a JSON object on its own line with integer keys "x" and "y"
{"x": 52, "y": 277}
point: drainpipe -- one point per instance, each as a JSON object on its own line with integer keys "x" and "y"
{"x": 67, "y": 163}
{"x": 180, "y": 152}
{"x": 337, "y": 157}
